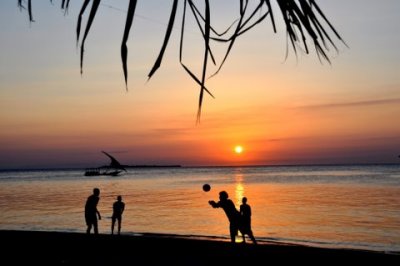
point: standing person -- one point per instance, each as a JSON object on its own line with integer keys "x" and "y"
{"x": 245, "y": 222}
{"x": 231, "y": 212}
{"x": 118, "y": 209}
{"x": 91, "y": 212}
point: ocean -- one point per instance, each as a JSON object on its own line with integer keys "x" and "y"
{"x": 334, "y": 206}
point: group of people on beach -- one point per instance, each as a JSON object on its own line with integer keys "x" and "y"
{"x": 92, "y": 214}
{"x": 239, "y": 220}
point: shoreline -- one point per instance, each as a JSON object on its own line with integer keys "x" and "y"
{"x": 64, "y": 248}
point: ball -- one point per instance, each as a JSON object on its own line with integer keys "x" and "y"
{"x": 206, "y": 187}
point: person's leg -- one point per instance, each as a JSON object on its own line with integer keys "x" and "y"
{"x": 88, "y": 224}
{"x": 89, "y": 227}
{"x": 95, "y": 228}
{"x": 252, "y": 237}
{"x": 242, "y": 232}
{"x": 233, "y": 231}
{"x": 119, "y": 225}
{"x": 112, "y": 225}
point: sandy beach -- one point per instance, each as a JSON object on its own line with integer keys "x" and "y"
{"x": 58, "y": 248}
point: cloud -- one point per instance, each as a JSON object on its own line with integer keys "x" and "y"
{"x": 352, "y": 104}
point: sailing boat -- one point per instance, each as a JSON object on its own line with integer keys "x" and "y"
{"x": 113, "y": 169}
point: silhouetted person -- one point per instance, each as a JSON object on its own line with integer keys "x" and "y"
{"x": 245, "y": 221}
{"x": 91, "y": 212}
{"x": 231, "y": 212}
{"x": 118, "y": 209}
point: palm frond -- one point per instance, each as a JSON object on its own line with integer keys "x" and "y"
{"x": 207, "y": 48}
{"x": 306, "y": 25}
{"x": 157, "y": 64}
{"x": 92, "y": 14}
{"x": 124, "y": 48}
{"x": 78, "y": 25}
{"x": 21, "y": 7}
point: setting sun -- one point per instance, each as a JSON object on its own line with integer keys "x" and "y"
{"x": 238, "y": 149}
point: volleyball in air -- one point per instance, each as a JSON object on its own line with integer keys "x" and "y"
{"x": 206, "y": 187}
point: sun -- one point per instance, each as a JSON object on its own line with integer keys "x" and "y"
{"x": 238, "y": 149}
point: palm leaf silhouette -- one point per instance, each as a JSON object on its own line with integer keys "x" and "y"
{"x": 305, "y": 23}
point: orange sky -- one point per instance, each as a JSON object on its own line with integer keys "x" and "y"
{"x": 293, "y": 111}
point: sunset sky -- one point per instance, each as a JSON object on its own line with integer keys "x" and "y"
{"x": 281, "y": 111}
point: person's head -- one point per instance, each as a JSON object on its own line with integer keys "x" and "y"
{"x": 119, "y": 198}
{"x": 96, "y": 191}
{"x": 223, "y": 195}
{"x": 244, "y": 200}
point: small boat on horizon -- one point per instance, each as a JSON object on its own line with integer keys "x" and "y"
{"x": 102, "y": 171}
{"x": 114, "y": 169}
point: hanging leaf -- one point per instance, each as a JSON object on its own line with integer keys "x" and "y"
{"x": 124, "y": 48}
{"x": 78, "y": 26}
{"x": 92, "y": 14}
{"x": 157, "y": 64}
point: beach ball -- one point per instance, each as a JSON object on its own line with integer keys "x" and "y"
{"x": 206, "y": 187}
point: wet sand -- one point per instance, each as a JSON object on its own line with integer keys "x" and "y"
{"x": 57, "y": 248}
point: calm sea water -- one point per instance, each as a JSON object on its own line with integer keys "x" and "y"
{"x": 326, "y": 206}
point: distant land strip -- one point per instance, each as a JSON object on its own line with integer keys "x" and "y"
{"x": 152, "y": 165}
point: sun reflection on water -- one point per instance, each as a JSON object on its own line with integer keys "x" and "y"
{"x": 239, "y": 189}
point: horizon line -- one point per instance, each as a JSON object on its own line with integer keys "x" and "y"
{"x": 203, "y": 166}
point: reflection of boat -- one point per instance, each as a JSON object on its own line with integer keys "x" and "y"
{"x": 114, "y": 169}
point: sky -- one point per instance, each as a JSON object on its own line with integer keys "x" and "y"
{"x": 282, "y": 110}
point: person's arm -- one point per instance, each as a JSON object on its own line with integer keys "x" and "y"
{"x": 214, "y": 204}
{"x": 98, "y": 214}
